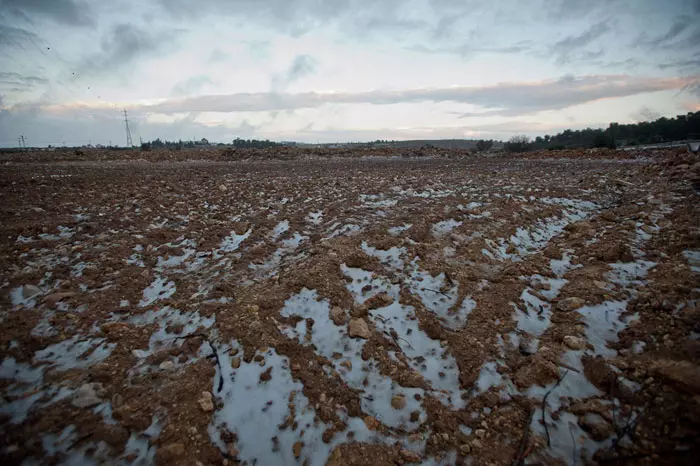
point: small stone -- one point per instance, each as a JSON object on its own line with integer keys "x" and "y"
{"x": 476, "y": 443}
{"x": 358, "y": 328}
{"x": 86, "y": 396}
{"x": 111, "y": 328}
{"x": 347, "y": 363}
{"x": 371, "y": 423}
{"x": 206, "y": 402}
{"x": 359, "y": 311}
{"x": 29, "y": 291}
{"x": 53, "y": 299}
{"x": 410, "y": 456}
{"x": 465, "y": 449}
{"x": 378, "y": 301}
{"x": 297, "y": 449}
{"x": 222, "y": 188}
{"x": 167, "y": 365}
{"x": 570, "y": 304}
{"x": 236, "y": 362}
{"x": 480, "y": 433}
{"x": 398, "y": 401}
{"x": 267, "y": 375}
{"x": 596, "y": 425}
{"x": 254, "y": 308}
{"x": 574, "y": 343}
{"x": 338, "y": 316}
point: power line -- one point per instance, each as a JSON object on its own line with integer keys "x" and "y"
{"x": 129, "y": 143}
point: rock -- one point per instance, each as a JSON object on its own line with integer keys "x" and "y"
{"x": 206, "y": 402}
{"x": 476, "y": 443}
{"x": 29, "y": 291}
{"x": 171, "y": 453}
{"x": 167, "y": 365}
{"x": 616, "y": 253}
{"x": 578, "y": 227}
{"x": 222, "y": 188}
{"x": 266, "y": 375}
{"x": 297, "y": 449}
{"x": 410, "y": 456}
{"x": 574, "y": 343}
{"x": 113, "y": 435}
{"x": 480, "y": 433}
{"x": 596, "y": 425}
{"x": 55, "y": 298}
{"x": 371, "y": 423}
{"x": 570, "y": 304}
{"x": 338, "y": 316}
{"x": 528, "y": 346}
{"x": 236, "y": 362}
{"x": 358, "y": 328}
{"x": 682, "y": 374}
{"x": 378, "y": 301}
{"x": 359, "y": 311}
{"x": 347, "y": 364}
{"x": 113, "y": 327}
{"x": 398, "y": 401}
{"x": 86, "y": 395}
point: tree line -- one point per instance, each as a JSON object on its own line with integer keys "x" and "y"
{"x": 180, "y": 144}
{"x": 663, "y": 129}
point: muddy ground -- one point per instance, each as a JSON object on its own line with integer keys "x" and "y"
{"x": 388, "y": 310}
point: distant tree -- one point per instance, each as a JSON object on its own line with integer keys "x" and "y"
{"x": 518, "y": 144}
{"x": 483, "y": 145}
{"x": 603, "y": 140}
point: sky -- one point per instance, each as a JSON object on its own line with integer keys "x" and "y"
{"x": 340, "y": 70}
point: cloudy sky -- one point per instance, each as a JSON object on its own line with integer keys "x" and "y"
{"x": 340, "y": 70}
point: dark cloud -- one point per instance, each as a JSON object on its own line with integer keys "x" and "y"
{"x": 681, "y": 64}
{"x": 570, "y": 9}
{"x": 469, "y": 50}
{"x": 14, "y": 37}
{"x": 508, "y": 98}
{"x": 298, "y": 17}
{"x": 679, "y": 26}
{"x": 567, "y": 49}
{"x": 68, "y": 12}
{"x": 302, "y": 65}
{"x": 18, "y": 81}
{"x": 123, "y": 45}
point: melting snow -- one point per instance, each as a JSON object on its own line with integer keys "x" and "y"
{"x": 159, "y": 289}
{"x": 330, "y": 339}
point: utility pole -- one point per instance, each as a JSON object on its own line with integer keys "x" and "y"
{"x": 24, "y": 144}
{"x": 129, "y": 143}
